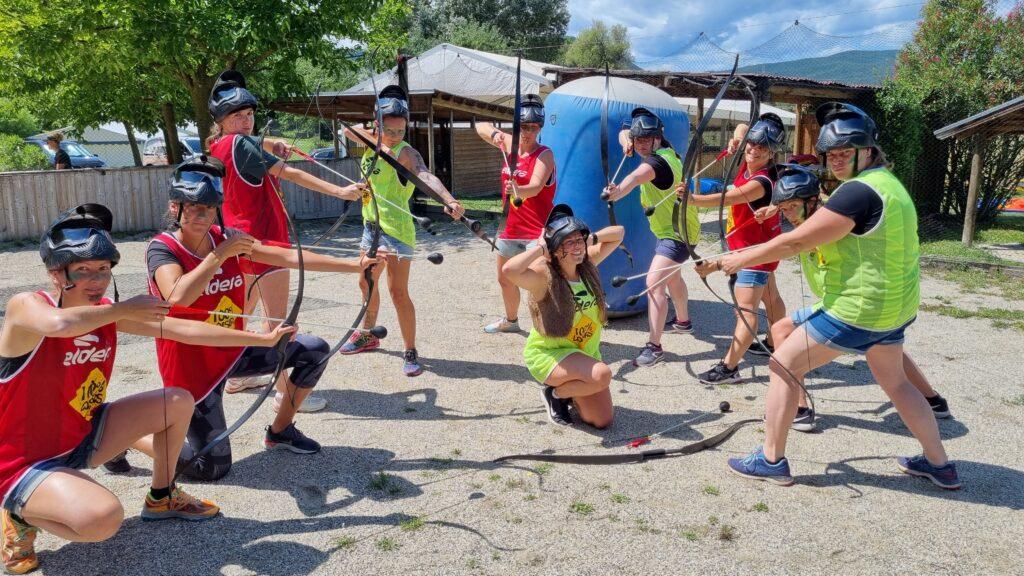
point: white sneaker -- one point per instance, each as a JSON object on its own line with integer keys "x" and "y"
{"x": 236, "y": 385}
{"x": 502, "y": 325}
{"x": 313, "y": 403}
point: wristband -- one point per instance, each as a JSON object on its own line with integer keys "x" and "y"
{"x": 494, "y": 133}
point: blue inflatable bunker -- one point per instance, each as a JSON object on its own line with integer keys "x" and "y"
{"x": 573, "y": 132}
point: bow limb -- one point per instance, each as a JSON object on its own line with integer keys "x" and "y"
{"x": 679, "y": 209}
{"x": 474, "y": 226}
{"x": 612, "y": 220}
{"x": 280, "y": 348}
{"x": 634, "y": 457}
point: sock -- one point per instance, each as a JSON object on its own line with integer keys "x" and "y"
{"x": 159, "y": 493}
{"x": 19, "y": 519}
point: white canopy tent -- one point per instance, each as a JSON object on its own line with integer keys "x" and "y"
{"x": 736, "y": 110}
{"x": 465, "y": 72}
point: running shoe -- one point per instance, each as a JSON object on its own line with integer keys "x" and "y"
{"x": 313, "y": 403}
{"x": 680, "y": 326}
{"x": 721, "y": 374}
{"x": 502, "y": 325}
{"x": 942, "y": 476}
{"x": 19, "y": 551}
{"x": 412, "y": 363}
{"x": 757, "y": 350}
{"x": 236, "y": 385}
{"x": 939, "y": 406}
{"x": 649, "y": 355}
{"x": 360, "y": 341}
{"x": 179, "y": 504}
{"x": 558, "y": 408}
{"x": 118, "y": 464}
{"x": 756, "y": 467}
{"x": 804, "y": 420}
{"x": 291, "y": 439}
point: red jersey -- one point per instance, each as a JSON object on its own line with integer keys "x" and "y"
{"x": 199, "y": 369}
{"x": 748, "y": 232}
{"x": 257, "y": 210}
{"x": 527, "y": 221}
{"x": 46, "y": 407}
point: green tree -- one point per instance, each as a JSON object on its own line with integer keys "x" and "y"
{"x": 456, "y": 30}
{"x": 16, "y": 155}
{"x": 963, "y": 59}
{"x": 600, "y": 45}
{"x": 150, "y": 61}
{"x": 16, "y": 119}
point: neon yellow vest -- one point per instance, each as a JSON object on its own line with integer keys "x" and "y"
{"x": 386, "y": 184}
{"x": 661, "y": 220}
{"x": 872, "y": 281}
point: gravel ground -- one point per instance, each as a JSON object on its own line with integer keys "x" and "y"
{"x": 404, "y": 484}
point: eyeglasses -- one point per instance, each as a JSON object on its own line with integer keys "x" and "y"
{"x": 195, "y": 209}
{"x": 394, "y": 132}
{"x": 574, "y": 243}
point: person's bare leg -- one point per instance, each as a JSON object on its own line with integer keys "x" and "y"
{"x": 886, "y": 363}
{"x": 748, "y": 297}
{"x": 398, "y": 287}
{"x": 657, "y": 310}
{"x": 74, "y": 507}
{"x": 917, "y": 377}
{"x": 586, "y": 381}
{"x": 784, "y": 394}
{"x": 370, "y": 319}
{"x": 510, "y": 296}
{"x": 774, "y": 307}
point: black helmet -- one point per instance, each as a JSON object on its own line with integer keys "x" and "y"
{"x": 393, "y": 101}
{"x": 531, "y": 110}
{"x": 768, "y": 131}
{"x": 561, "y": 223}
{"x": 198, "y": 181}
{"x": 79, "y": 234}
{"x": 844, "y": 126}
{"x": 229, "y": 95}
{"x": 795, "y": 182}
{"x": 645, "y": 123}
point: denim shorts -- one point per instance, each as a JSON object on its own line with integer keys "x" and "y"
{"x": 751, "y": 278}
{"x": 79, "y": 458}
{"x": 672, "y": 249}
{"x": 391, "y": 244}
{"x": 840, "y": 336}
{"x": 511, "y": 248}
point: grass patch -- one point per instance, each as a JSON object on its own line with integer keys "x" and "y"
{"x": 620, "y": 498}
{"x": 494, "y": 477}
{"x": 689, "y": 535}
{"x": 412, "y": 524}
{"x": 645, "y": 528}
{"x": 514, "y": 483}
{"x": 345, "y": 542}
{"x": 1017, "y": 401}
{"x": 726, "y": 533}
{"x": 955, "y": 250}
{"x": 984, "y": 281}
{"x": 523, "y": 419}
{"x": 581, "y": 508}
{"x": 543, "y": 469}
{"x": 760, "y": 507}
{"x": 380, "y": 482}
{"x": 1001, "y": 317}
{"x": 387, "y": 544}
{"x": 711, "y": 490}
{"x": 481, "y": 204}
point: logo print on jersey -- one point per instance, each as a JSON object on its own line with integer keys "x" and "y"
{"x": 225, "y": 305}
{"x": 86, "y": 340}
{"x": 90, "y": 394}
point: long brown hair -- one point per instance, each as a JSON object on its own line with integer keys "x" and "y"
{"x": 553, "y": 314}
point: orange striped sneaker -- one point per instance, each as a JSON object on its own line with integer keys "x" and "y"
{"x": 19, "y": 552}
{"x": 179, "y": 504}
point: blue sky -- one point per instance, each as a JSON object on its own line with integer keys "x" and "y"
{"x": 659, "y": 28}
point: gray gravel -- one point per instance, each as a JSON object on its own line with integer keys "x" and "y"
{"x": 442, "y": 508}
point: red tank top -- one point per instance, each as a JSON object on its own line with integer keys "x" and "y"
{"x": 527, "y": 221}
{"x": 199, "y": 369}
{"x": 748, "y": 232}
{"x": 46, "y": 407}
{"x": 255, "y": 210}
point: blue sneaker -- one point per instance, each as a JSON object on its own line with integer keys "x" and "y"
{"x": 756, "y": 467}
{"x": 942, "y": 476}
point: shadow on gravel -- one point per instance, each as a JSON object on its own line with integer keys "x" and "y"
{"x": 420, "y": 404}
{"x": 465, "y": 369}
{"x": 890, "y": 423}
{"x": 984, "y": 483}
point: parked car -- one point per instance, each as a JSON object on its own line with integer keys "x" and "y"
{"x": 80, "y": 157}
{"x": 154, "y": 151}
